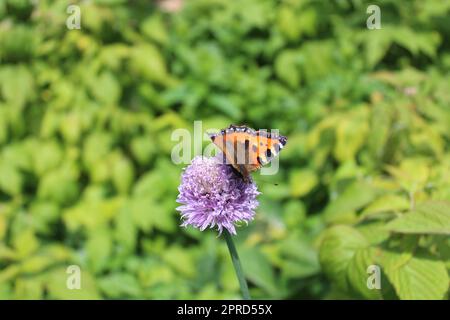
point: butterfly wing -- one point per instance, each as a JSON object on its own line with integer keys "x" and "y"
{"x": 247, "y": 150}
{"x": 233, "y": 149}
{"x": 265, "y": 147}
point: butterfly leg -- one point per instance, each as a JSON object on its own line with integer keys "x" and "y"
{"x": 244, "y": 172}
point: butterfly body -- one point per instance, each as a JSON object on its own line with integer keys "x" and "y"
{"x": 246, "y": 149}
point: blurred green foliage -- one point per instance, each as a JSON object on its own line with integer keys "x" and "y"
{"x": 86, "y": 118}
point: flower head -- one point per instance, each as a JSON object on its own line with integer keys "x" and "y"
{"x": 213, "y": 194}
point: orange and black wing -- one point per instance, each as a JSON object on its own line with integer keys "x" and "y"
{"x": 246, "y": 149}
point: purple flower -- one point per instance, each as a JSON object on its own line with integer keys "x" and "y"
{"x": 213, "y": 194}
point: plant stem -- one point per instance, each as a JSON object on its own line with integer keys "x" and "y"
{"x": 237, "y": 266}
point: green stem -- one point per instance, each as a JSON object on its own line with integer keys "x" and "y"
{"x": 237, "y": 266}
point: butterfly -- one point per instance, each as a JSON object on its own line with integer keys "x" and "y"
{"x": 246, "y": 149}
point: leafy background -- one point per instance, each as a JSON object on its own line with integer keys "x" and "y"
{"x": 86, "y": 118}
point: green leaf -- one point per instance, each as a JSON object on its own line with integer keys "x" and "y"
{"x": 299, "y": 259}
{"x": 430, "y": 217}
{"x": 225, "y": 105}
{"x": 374, "y": 231}
{"x": 55, "y": 282}
{"x": 338, "y": 247}
{"x": 143, "y": 149}
{"x": 123, "y": 174}
{"x": 417, "y": 278}
{"x": 92, "y": 214}
{"x": 9, "y": 273}
{"x": 120, "y": 286}
{"x": 96, "y": 147}
{"x": 357, "y": 274}
{"x": 50, "y": 156}
{"x": 294, "y": 213}
{"x": 98, "y": 248}
{"x": 377, "y": 43}
{"x": 355, "y": 196}
{"x": 318, "y": 59}
{"x": 36, "y": 264}
{"x": 180, "y": 260}
{"x": 3, "y": 127}
{"x": 10, "y": 179}
{"x": 386, "y": 203}
{"x": 125, "y": 230}
{"x": 154, "y": 28}
{"x": 19, "y": 42}
{"x": 302, "y": 181}
{"x": 45, "y": 215}
{"x": 59, "y": 185}
{"x": 141, "y": 212}
{"x": 17, "y": 85}
{"x": 3, "y": 223}
{"x": 412, "y": 174}
{"x": 26, "y": 243}
{"x": 415, "y": 42}
{"x": 148, "y": 62}
{"x": 286, "y": 68}
{"x": 258, "y": 270}
{"x": 106, "y": 89}
{"x": 293, "y": 23}
{"x": 351, "y": 133}
{"x": 29, "y": 289}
